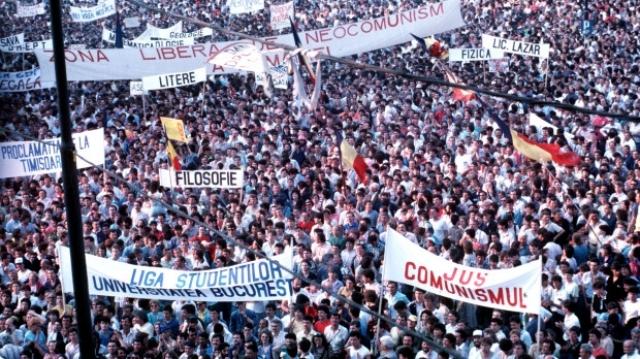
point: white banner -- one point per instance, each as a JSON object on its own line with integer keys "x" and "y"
{"x": 259, "y": 280}
{"x": 11, "y": 41}
{"x": 131, "y": 22}
{"x": 152, "y": 32}
{"x": 30, "y": 10}
{"x": 30, "y": 46}
{"x": 243, "y": 6}
{"x": 280, "y": 76}
{"x": 474, "y": 55}
{"x": 136, "y": 88}
{"x": 22, "y": 81}
{"x": 515, "y": 289}
{"x": 280, "y": 15}
{"x": 342, "y": 40}
{"x": 110, "y": 37}
{"x": 104, "y": 8}
{"x": 516, "y": 47}
{"x": 242, "y": 56}
{"x": 29, "y": 158}
{"x": 176, "y": 79}
{"x": 202, "y": 179}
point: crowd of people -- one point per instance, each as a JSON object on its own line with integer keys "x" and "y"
{"x": 440, "y": 172}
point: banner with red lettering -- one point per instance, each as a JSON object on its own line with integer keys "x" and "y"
{"x": 280, "y": 15}
{"x": 342, "y": 40}
{"x": 515, "y": 289}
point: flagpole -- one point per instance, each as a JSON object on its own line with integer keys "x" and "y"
{"x": 376, "y": 344}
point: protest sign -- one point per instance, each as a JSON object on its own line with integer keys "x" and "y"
{"x": 341, "y": 40}
{"x": 516, "y": 289}
{"x": 154, "y": 33}
{"x": 30, "y": 10}
{"x": 516, "y": 47}
{"x": 205, "y": 31}
{"x": 176, "y": 79}
{"x": 474, "y": 54}
{"x": 30, "y": 46}
{"x": 29, "y": 158}
{"x": 244, "y": 6}
{"x": 110, "y": 37}
{"x": 242, "y": 56}
{"x": 131, "y": 22}
{"x": 22, "y": 81}
{"x": 105, "y": 8}
{"x": 174, "y": 128}
{"x": 136, "y": 89}
{"x": 280, "y": 15}
{"x": 11, "y": 41}
{"x": 202, "y": 179}
{"x": 279, "y": 76}
{"x": 259, "y": 280}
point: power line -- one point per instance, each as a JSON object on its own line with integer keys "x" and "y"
{"x": 258, "y": 254}
{"x": 400, "y": 73}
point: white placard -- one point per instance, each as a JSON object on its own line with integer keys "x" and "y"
{"x": 22, "y": 81}
{"x": 226, "y": 179}
{"x": 280, "y": 15}
{"x": 474, "y": 55}
{"x": 131, "y": 22}
{"x": 242, "y": 56}
{"x": 29, "y": 158}
{"x": 342, "y": 40}
{"x": 516, "y": 289}
{"x": 205, "y": 31}
{"x": 258, "y": 280}
{"x": 136, "y": 88}
{"x": 175, "y": 79}
{"x": 516, "y": 47}
{"x": 30, "y": 10}
{"x": 110, "y": 37}
{"x": 104, "y": 8}
{"x": 31, "y": 46}
{"x": 244, "y": 6}
{"x": 11, "y": 41}
{"x": 280, "y": 76}
{"x": 153, "y": 33}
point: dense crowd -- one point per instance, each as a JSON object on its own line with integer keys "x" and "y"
{"x": 440, "y": 172}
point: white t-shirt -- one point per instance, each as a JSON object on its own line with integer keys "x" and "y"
{"x": 359, "y": 353}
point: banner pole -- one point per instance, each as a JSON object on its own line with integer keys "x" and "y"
{"x": 375, "y": 346}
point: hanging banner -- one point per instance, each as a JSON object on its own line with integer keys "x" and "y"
{"x": 474, "y": 55}
{"x": 109, "y": 36}
{"x": 516, "y": 47}
{"x": 136, "y": 89}
{"x": 205, "y": 31}
{"x": 30, "y": 10}
{"x": 226, "y": 179}
{"x": 131, "y": 22}
{"x": 105, "y": 8}
{"x": 515, "y": 289}
{"x": 11, "y": 41}
{"x": 280, "y": 76}
{"x": 242, "y": 56}
{"x": 172, "y": 80}
{"x": 342, "y": 40}
{"x": 244, "y": 6}
{"x": 30, "y": 46}
{"x": 259, "y": 280}
{"x": 22, "y": 81}
{"x": 154, "y": 33}
{"x": 280, "y": 15}
{"x": 30, "y": 158}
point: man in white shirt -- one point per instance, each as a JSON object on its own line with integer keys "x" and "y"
{"x": 356, "y": 350}
{"x": 629, "y": 349}
{"x": 336, "y": 334}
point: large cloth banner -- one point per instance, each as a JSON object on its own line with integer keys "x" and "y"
{"x": 29, "y": 158}
{"x": 30, "y": 10}
{"x": 260, "y": 280}
{"x": 244, "y": 6}
{"x": 540, "y": 50}
{"x": 516, "y": 289}
{"x": 110, "y": 37}
{"x": 177, "y": 79}
{"x": 29, "y": 46}
{"x": 152, "y": 32}
{"x": 205, "y": 31}
{"x": 11, "y": 41}
{"x": 474, "y": 55}
{"x": 227, "y": 179}
{"x": 342, "y": 40}
{"x": 280, "y": 15}
{"x": 22, "y": 81}
{"x": 105, "y": 8}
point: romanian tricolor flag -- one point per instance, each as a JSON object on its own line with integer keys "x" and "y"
{"x": 351, "y": 159}
{"x": 174, "y": 159}
{"x": 541, "y": 152}
{"x": 432, "y": 47}
{"x": 459, "y": 94}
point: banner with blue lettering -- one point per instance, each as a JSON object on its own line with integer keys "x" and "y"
{"x": 30, "y": 158}
{"x": 259, "y": 280}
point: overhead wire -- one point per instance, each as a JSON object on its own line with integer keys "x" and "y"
{"x": 256, "y": 253}
{"x": 373, "y": 68}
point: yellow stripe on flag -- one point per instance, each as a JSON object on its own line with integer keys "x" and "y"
{"x": 174, "y": 129}
{"x": 349, "y": 154}
{"x": 529, "y": 150}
